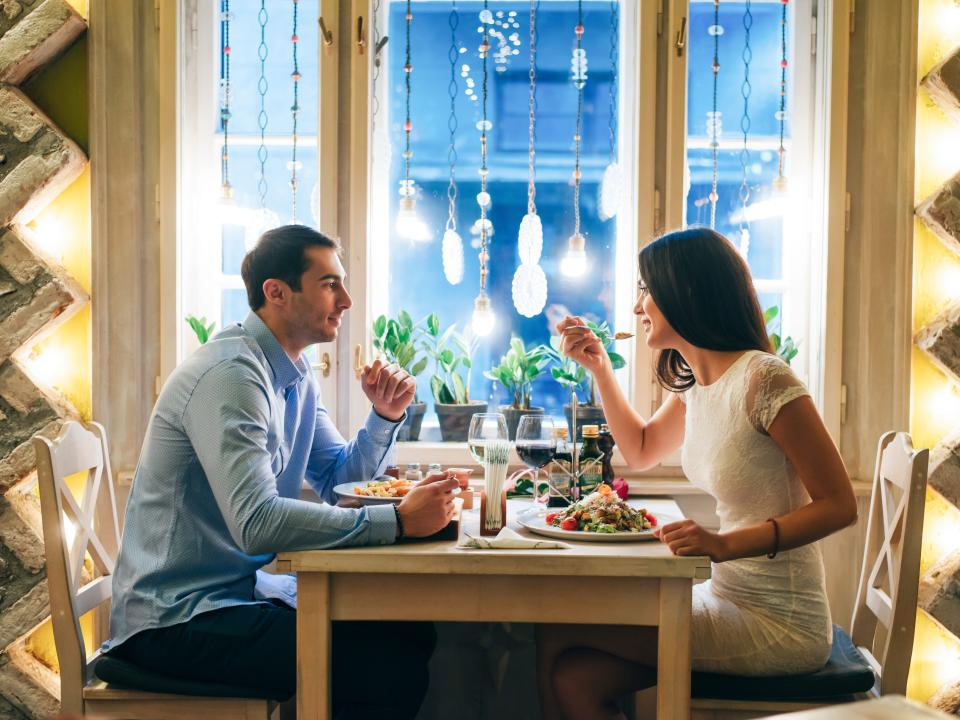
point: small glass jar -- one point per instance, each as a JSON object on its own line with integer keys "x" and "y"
{"x": 413, "y": 473}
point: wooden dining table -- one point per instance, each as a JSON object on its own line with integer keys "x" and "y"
{"x": 641, "y": 583}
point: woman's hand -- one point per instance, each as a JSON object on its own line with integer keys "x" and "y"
{"x": 580, "y": 344}
{"x": 685, "y": 537}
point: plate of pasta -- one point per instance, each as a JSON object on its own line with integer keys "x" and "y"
{"x": 599, "y": 517}
{"x": 379, "y": 491}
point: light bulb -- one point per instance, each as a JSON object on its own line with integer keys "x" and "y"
{"x": 452, "y": 253}
{"x": 483, "y": 318}
{"x": 609, "y": 192}
{"x": 574, "y": 263}
{"x": 409, "y": 224}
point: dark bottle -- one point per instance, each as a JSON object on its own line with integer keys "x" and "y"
{"x": 606, "y": 442}
{"x": 591, "y": 461}
{"x": 560, "y": 472}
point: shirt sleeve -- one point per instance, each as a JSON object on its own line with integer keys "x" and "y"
{"x": 227, "y": 420}
{"x": 771, "y": 384}
{"x": 333, "y": 460}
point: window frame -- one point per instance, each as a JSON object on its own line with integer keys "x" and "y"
{"x": 659, "y": 108}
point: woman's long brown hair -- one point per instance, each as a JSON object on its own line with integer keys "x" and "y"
{"x": 703, "y": 288}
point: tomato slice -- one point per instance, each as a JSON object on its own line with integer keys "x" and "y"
{"x": 551, "y": 517}
{"x": 569, "y": 524}
{"x": 652, "y": 519}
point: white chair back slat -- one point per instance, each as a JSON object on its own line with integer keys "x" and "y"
{"x": 885, "y": 612}
{"x": 76, "y": 449}
{"x": 93, "y": 594}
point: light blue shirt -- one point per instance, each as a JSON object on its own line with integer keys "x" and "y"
{"x": 236, "y": 429}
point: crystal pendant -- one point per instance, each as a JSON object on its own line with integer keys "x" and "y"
{"x": 610, "y": 192}
{"x": 530, "y": 239}
{"x": 452, "y": 250}
{"x": 529, "y": 289}
{"x": 578, "y": 67}
{"x": 483, "y": 199}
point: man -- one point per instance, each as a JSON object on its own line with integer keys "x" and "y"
{"x": 236, "y": 429}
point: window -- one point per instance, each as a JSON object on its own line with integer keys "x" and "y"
{"x": 395, "y": 273}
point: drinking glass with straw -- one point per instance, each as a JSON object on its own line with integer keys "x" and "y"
{"x": 493, "y": 506}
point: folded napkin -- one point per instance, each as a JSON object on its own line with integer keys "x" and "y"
{"x": 508, "y": 539}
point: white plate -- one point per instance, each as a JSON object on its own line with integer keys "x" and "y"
{"x": 347, "y": 490}
{"x": 535, "y": 520}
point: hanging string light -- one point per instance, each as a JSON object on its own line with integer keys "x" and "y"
{"x": 262, "y": 86}
{"x": 452, "y": 246}
{"x": 714, "y": 121}
{"x": 780, "y": 182}
{"x": 529, "y": 281}
{"x": 483, "y": 317}
{"x": 745, "y": 90}
{"x": 610, "y": 184}
{"x": 294, "y": 114}
{"x": 409, "y": 224}
{"x": 574, "y": 263}
{"x": 226, "y": 189}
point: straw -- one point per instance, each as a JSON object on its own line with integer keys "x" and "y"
{"x": 496, "y": 457}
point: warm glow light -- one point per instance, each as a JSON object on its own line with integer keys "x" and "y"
{"x": 944, "y": 406}
{"x": 941, "y": 529}
{"x": 935, "y": 407}
{"x": 937, "y": 150}
{"x": 62, "y": 361}
{"x": 947, "y": 282}
{"x": 935, "y": 660}
{"x": 52, "y": 235}
{"x": 483, "y": 317}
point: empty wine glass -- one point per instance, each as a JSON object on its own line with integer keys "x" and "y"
{"x": 536, "y": 445}
{"x": 483, "y": 428}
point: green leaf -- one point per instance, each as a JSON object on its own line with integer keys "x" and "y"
{"x": 459, "y": 389}
{"x": 405, "y": 320}
{"x": 447, "y": 357}
{"x": 516, "y": 345}
{"x": 775, "y": 340}
{"x": 379, "y": 325}
{"x": 419, "y": 367}
{"x": 616, "y": 360}
{"x": 467, "y": 363}
{"x": 433, "y": 324}
{"x": 770, "y": 313}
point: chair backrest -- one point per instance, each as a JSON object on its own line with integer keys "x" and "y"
{"x": 886, "y": 607}
{"x": 73, "y": 526}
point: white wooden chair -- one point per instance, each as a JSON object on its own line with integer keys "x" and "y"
{"x": 883, "y": 617}
{"x": 73, "y": 526}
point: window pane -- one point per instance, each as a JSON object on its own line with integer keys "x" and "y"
{"x": 415, "y": 276}
{"x": 235, "y": 307}
{"x": 749, "y": 208}
{"x": 233, "y": 247}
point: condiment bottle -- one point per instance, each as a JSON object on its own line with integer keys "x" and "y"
{"x": 591, "y": 461}
{"x": 606, "y": 443}
{"x": 413, "y": 473}
{"x": 560, "y": 472}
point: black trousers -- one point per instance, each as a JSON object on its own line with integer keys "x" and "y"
{"x": 379, "y": 669}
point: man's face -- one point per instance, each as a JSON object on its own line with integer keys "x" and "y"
{"x": 317, "y": 309}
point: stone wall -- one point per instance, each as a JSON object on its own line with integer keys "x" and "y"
{"x": 940, "y": 339}
{"x": 37, "y": 162}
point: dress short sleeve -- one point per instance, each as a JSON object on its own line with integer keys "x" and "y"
{"x": 770, "y": 384}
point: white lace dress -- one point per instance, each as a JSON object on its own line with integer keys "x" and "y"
{"x": 755, "y": 616}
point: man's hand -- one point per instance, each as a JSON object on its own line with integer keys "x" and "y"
{"x": 389, "y": 388}
{"x": 428, "y": 507}
{"x": 685, "y": 537}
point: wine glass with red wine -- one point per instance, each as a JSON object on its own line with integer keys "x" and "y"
{"x": 536, "y": 445}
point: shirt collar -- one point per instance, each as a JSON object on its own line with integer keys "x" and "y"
{"x": 285, "y": 371}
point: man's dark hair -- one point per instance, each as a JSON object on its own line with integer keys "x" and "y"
{"x": 703, "y": 287}
{"x": 280, "y": 254}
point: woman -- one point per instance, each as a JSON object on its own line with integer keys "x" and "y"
{"x": 751, "y": 437}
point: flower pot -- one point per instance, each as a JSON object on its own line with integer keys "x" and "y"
{"x": 455, "y": 419}
{"x": 586, "y": 415}
{"x": 410, "y": 430}
{"x": 513, "y": 416}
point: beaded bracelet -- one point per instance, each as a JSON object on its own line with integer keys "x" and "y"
{"x": 776, "y": 538}
{"x": 400, "y": 533}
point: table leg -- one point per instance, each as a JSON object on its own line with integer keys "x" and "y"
{"x": 673, "y": 649}
{"x": 313, "y": 646}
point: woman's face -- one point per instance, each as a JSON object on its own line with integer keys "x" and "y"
{"x": 659, "y": 334}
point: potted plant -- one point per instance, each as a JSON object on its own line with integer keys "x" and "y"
{"x": 201, "y": 329}
{"x": 786, "y": 347}
{"x": 516, "y": 372}
{"x": 575, "y": 378}
{"x": 396, "y": 339}
{"x": 452, "y": 353}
